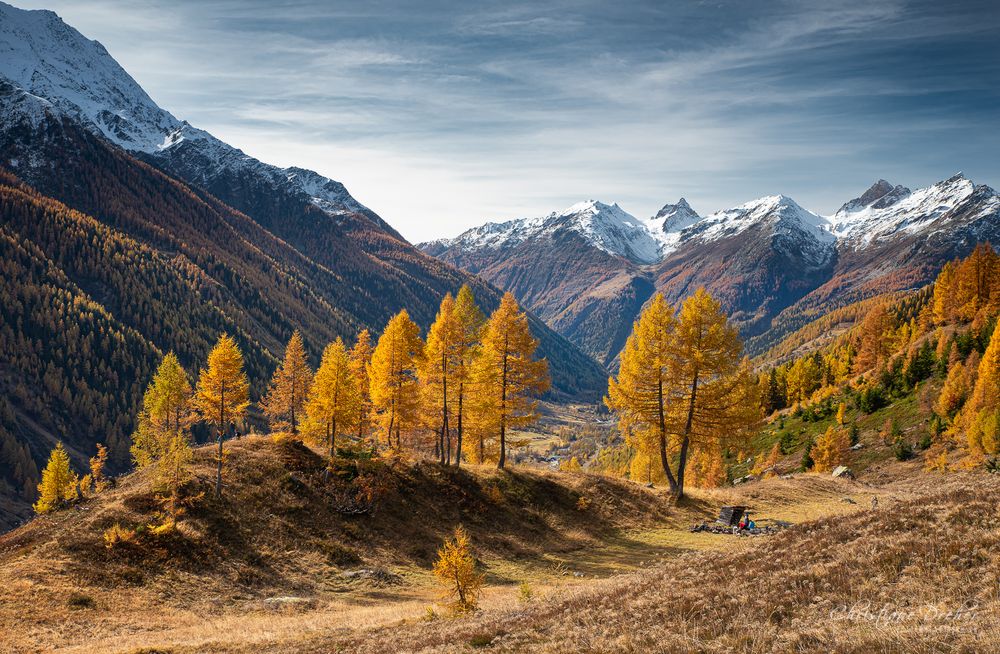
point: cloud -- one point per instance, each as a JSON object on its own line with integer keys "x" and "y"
{"x": 444, "y": 115}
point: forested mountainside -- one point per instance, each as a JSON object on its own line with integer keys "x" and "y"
{"x": 114, "y": 260}
{"x": 774, "y": 265}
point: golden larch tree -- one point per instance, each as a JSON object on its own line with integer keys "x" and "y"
{"x": 393, "y": 377}
{"x": 223, "y": 394}
{"x": 945, "y": 301}
{"x": 456, "y": 570}
{"x": 875, "y": 339}
{"x": 639, "y": 395}
{"x": 436, "y": 373}
{"x": 508, "y": 378}
{"x": 361, "y": 359}
{"x": 286, "y": 399}
{"x": 470, "y": 321}
{"x": 981, "y": 414}
{"x": 166, "y": 411}
{"x": 686, "y": 382}
{"x": 59, "y": 482}
{"x": 334, "y": 397}
{"x": 830, "y": 449}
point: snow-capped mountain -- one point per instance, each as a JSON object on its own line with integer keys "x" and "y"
{"x": 668, "y": 223}
{"x": 49, "y": 68}
{"x": 607, "y": 227}
{"x": 885, "y": 211}
{"x": 759, "y": 258}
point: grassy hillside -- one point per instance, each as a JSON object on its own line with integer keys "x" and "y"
{"x": 918, "y": 574}
{"x": 283, "y": 528}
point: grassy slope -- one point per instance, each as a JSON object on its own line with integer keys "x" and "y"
{"x": 905, "y": 569}
{"x": 277, "y": 532}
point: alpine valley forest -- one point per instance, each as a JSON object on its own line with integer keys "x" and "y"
{"x": 241, "y": 412}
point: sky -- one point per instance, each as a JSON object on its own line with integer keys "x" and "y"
{"x": 440, "y": 116}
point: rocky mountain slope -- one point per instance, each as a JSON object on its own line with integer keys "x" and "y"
{"x": 767, "y": 260}
{"x": 127, "y": 233}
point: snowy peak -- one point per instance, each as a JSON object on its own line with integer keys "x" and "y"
{"x": 901, "y": 211}
{"x": 49, "y": 68}
{"x": 779, "y": 211}
{"x": 47, "y": 58}
{"x": 879, "y": 195}
{"x": 608, "y": 228}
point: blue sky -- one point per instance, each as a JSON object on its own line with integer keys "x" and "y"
{"x": 441, "y": 115}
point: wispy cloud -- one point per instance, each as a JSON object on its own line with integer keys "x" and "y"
{"x": 446, "y": 114}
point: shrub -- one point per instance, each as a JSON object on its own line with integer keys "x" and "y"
{"x": 902, "y": 450}
{"x": 525, "y": 593}
{"x": 80, "y": 601}
{"x": 807, "y": 460}
{"x": 583, "y": 503}
{"x": 116, "y": 536}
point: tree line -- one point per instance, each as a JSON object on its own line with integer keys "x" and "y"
{"x": 454, "y": 395}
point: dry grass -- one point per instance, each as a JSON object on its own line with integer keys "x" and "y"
{"x": 277, "y": 532}
{"x": 918, "y": 575}
{"x": 623, "y": 575}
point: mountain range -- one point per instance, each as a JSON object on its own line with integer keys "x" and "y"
{"x": 588, "y": 270}
{"x": 126, "y": 233}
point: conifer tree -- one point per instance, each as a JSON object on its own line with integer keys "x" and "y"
{"x": 437, "y": 371}
{"x": 166, "y": 410}
{"x": 507, "y": 377}
{"x": 470, "y": 325}
{"x": 641, "y": 392}
{"x": 97, "y": 478}
{"x": 361, "y": 358}
{"x": 842, "y": 413}
{"x": 223, "y": 394}
{"x": 830, "y": 449}
{"x": 393, "y": 377}
{"x": 456, "y": 569}
{"x": 875, "y": 339}
{"x": 334, "y": 397}
{"x": 981, "y": 414}
{"x": 59, "y": 482}
{"x": 944, "y": 303}
{"x": 173, "y": 469}
{"x": 286, "y": 399}
{"x": 682, "y": 381}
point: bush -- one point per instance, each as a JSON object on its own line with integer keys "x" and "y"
{"x": 855, "y": 434}
{"x": 786, "y": 442}
{"x": 902, "y": 450}
{"x": 807, "y": 460}
{"x": 80, "y": 601}
{"x": 116, "y": 536}
{"x": 871, "y": 399}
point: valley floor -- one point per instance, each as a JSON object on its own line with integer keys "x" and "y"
{"x": 928, "y": 549}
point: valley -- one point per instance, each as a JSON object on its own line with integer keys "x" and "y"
{"x": 241, "y": 412}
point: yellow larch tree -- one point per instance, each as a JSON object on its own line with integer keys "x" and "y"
{"x": 981, "y": 414}
{"x": 361, "y": 358}
{"x": 286, "y": 399}
{"x": 456, "y": 570}
{"x": 639, "y": 395}
{"x": 508, "y": 378}
{"x": 393, "y": 378}
{"x": 437, "y": 375}
{"x": 59, "y": 482}
{"x": 875, "y": 339}
{"x": 166, "y": 410}
{"x": 945, "y": 301}
{"x": 223, "y": 394}
{"x": 470, "y": 321}
{"x": 976, "y": 277}
{"x": 714, "y": 398}
{"x": 830, "y": 449}
{"x": 333, "y": 398}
